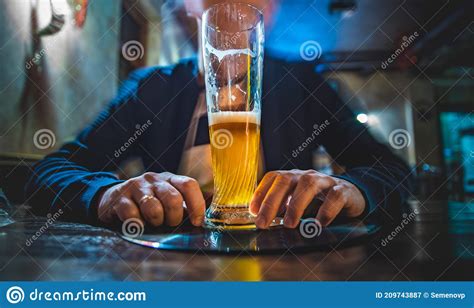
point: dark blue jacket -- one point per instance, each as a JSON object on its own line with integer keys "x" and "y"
{"x": 295, "y": 99}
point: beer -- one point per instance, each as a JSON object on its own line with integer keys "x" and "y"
{"x": 235, "y": 140}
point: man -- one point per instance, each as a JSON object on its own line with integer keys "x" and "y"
{"x": 159, "y": 115}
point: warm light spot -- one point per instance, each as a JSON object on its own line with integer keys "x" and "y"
{"x": 362, "y": 118}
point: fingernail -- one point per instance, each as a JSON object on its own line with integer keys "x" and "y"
{"x": 260, "y": 222}
{"x": 198, "y": 220}
{"x": 287, "y": 222}
{"x": 321, "y": 221}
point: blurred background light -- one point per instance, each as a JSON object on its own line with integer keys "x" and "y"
{"x": 362, "y": 118}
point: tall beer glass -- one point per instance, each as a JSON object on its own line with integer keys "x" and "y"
{"x": 232, "y": 40}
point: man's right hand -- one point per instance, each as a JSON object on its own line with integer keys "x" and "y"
{"x": 155, "y": 198}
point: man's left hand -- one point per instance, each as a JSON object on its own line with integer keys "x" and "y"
{"x": 271, "y": 197}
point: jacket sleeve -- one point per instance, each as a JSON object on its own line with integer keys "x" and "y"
{"x": 383, "y": 178}
{"x": 70, "y": 178}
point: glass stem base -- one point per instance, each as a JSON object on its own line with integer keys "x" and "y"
{"x": 233, "y": 217}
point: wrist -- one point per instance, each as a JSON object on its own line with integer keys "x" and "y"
{"x": 99, "y": 202}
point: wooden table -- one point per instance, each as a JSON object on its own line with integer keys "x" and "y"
{"x": 437, "y": 245}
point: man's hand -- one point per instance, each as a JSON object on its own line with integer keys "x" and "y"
{"x": 156, "y": 198}
{"x": 273, "y": 192}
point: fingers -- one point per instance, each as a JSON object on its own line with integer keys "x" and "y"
{"x": 150, "y": 207}
{"x": 276, "y": 196}
{"x": 171, "y": 200}
{"x": 125, "y": 209}
{"x": 261, "y": 192}
{"x": 332, "y": 206}
{"x": 189, "y": 190}
{"x": 195, "y": 204}
{"x": 155, "y": 198}
{"x": 309, "y": 185}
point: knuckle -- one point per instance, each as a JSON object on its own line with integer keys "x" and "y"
{"x": 326, "y": 177}
{"x": 124, "y": 187}
{"x": 284, "y": 179}
{"x": 149, "y": 176}
{"x": 189, "y": 183}
{"x": 337, "y": 193}
{"x": 308, "y": 180}
{"x": 331, "y": 179}
{"x": 311, "y": 172}
{"x": 121, "y": 202}
{"x": 113, "y": 194}
{"x": 270, "y": 175}
{"x": 321, "y": 179}
{"x": 165, "y": 175}
{"x": 131, "y": 185}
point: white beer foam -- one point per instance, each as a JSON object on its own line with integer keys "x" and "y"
{"x": 234, "y": 117}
